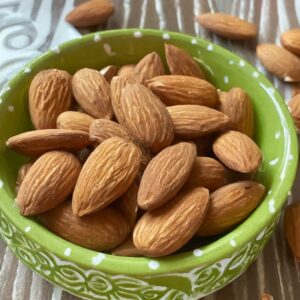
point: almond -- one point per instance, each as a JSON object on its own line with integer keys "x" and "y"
{"x": 107, "y": 174}
{"x": 92, "y": 92}
{"x": 109, "y": 72}
{"x": 100, "y": 231}
{"x": 279, "y": 61}
{"x": 294, "y": 106}
{"x": 50, "y": 181}
{"x": 227, "y": 26}
{"x": 291, "y": 40}
{"x": 266, "y": 297}
{"x": 22, "y": 173}
{"x": 292, "y": 228}
{"x": 230, "y": 205}
{"x": 206, "y": 172}
{"x": 50, "y": 94}
{"x": 165, "y": 230}
{"x": 180, "y": 89}
{"x": 74, "y": 120}
{"x": 90, "y": 13}
{"x": 191, "y": 121}
{"x": 37, "y": 142}
{"x": 237, "y": 151}
{"x": 127, "y": 71}
{"x": 237, "y": 106}
{"x": 148, "y": 67}
{"x": 127, "y": 248}
{"x": 165, "y": 175}
{"x": 181, "y": 63}
{"x": 222, "y": 95}
{"x": 146, "y": 118}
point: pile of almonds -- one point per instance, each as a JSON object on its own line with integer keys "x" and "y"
{"x": 141, "y": 162}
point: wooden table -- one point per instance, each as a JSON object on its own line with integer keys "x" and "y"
{"x": 275, "y": 270}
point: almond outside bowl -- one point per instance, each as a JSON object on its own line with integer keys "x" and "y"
{"x": 189, "y": 275}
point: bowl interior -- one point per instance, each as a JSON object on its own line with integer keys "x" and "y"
{"x": 274, "y": 133}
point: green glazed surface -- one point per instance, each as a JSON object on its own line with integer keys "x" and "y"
{"x": 188, "y": 275}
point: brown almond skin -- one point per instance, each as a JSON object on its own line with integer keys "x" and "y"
{"x": 109, "y": 72}
{"x": 127, "y": 248}
{"x": 227, "y": 26}
{"x": 180, "y": 89}
{"x": 165, "y": 230}
{"x": 100, "y": 231}
{"x": 74, "y": 120}
{"x": 90, "y": 13}
{"x": 181, "y": 63}
{"x": 192, "y": 121}
{"x": 165, "y": 175}
{"x": 50, "y": 181}
{"x": 92, "y": 92}
{"x": 237, "y": 151}
{"x": 22, "y": 173}
{"x": 206, "y": 172}
{"x": 294, "y": 105}
{"x": 37, "y": 142}
{"x": 148, "y": 67}
{"x": 230, "y": 205}
{"x": 292, "y": 228}
{"x": 291, "y": 40}
{"x": 238, "y": 107}
{"x": 146, "y": 117}
{"x": 107, "y": 174}
{"x": 50, "y": 94}
{"x": 127, "y": 71}
{"x": 279, "y": 62}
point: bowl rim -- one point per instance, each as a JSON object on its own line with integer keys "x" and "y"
{"x": 217, "y": 250}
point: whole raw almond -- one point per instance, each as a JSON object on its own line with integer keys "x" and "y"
{"x": 127, "y": 71}
{"x": 181, "y": 63}
{"x": 74, "y": 120}
{"x": 237, "y": 151}
{"x": 127, "y": 248}
{"x": 109, "y": 72}
{"x": 49, "y": 181}
{"x": 100, "y": 231}
{"x": 146, "y": 117}
{"x": 37, "y": 142}
{"x": 50, "y": 94}
{"x": 165, "y": 230}
{"x": 279, "y": 61}
{"x": 222, "y": 95}
{"x": 291, "y": 40}
{"x": 90, "y": 13}
{"x": 230, "y": 205}
{"x": 148, "y": 67}
{"x": 227, "y": 26}
{"x": 238, "y": 107}
{"x": 22, "y": 173}
{"x": 206, "y": 172}
{"x": 191, "y": 121}
{"x": 107, "y": 174}
{"x": 92, "y": 92}
{"x": 165, "y": 175}
{"x": 294, "y": 106}
{"x": 180, "y": 89}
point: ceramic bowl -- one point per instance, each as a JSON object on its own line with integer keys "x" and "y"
{"x": 188, "y": 275}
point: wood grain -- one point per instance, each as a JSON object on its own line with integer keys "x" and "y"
{"x": 275, "y": 271}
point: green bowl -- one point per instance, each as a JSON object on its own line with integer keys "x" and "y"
{"x": 188, "y": 275}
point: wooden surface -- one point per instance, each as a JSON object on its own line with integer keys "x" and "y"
{"x": 275, "y": 271}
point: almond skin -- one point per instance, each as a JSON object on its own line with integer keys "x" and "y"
{"x": 294, "y": 105}
{"x": 50, "y": 94}
{"x": 22, "y": 173}
{"x": 181, "y": 63}
{"x": 227, "y": 26}
{"x": 180, "y": 89}
{"x": 90, "y": 13}
{"x": 230, "y": 205}
{"x": 127, "y": 248}
{"x": 279, "y": 62}
{"x": 165, "y": 230}
{"x": 74, "y": 120}
{"x": 146, "y": 118}
{"x": 92, "y": 92}
{"x": 191, "y": 121}
{"x": 101, "y": 231}
{"x": 165, "y": 175}
{"x": 109, "y": 72}
{"x": 237, "y": 151}
{"x": 148, "y": 67}
{"x": 127, "y": 71}
{"x": 206, "y": 172}
{"x": 37, "y": 142}
{"x": 107, "y": 174}
{"x": 50, "y": 181}
{"x": 238, "y": 107}
{"x": 291, "y": 40}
